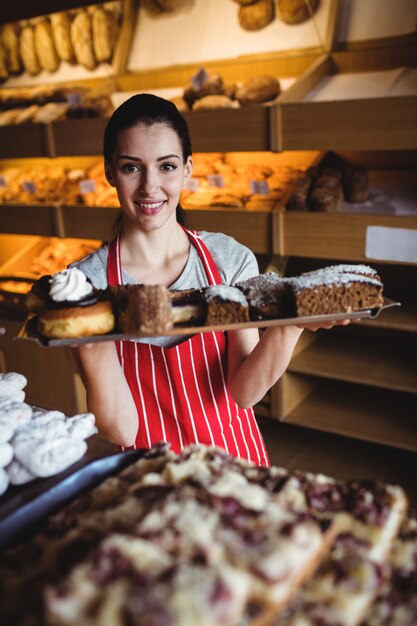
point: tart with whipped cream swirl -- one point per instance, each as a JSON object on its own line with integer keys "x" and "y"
{"x": 74, "y": 308}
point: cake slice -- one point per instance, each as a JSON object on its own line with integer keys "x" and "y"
{"x": 145, "y": 309}
{"x": 225, "y": 305}
{"x": 328, "y": 292}
{"x": 396, "y": 603}
{"x": 368, "y": 516}
{"x": 266, "y": 295}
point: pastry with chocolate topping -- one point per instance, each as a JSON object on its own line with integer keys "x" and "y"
{"x": 146, "y": 309}
{"x": 74, "y": 308}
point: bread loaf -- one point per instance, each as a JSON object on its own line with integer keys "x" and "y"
{"x": 3, "y": 67}
{"x": 211, "y": 86}
{"x": 45, "y": 47}
{"x": 10, "y": 41}
{"x": 258, "y": 89}
{"x": 256, "y": 15}
{"x": 82, "y": 40}
{"x": 296, "y": 11}
{"x": 61, "y": 31}
{"x": 213, "y": 102}
{"x": 27, "y": 50}
{"x": 105, "y": 32}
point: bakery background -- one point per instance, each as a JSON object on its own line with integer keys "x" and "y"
{"x": 347, "y": 81}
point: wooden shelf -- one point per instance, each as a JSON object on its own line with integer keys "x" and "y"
{"x": 372, "y": 123}
{"x": 28, "y": 219}
{"x": 368, "y": 414}
{"x": 25, "y": 141}
{"x": 333, "y": 235}
{"x": 402, "y": 318}
{"x": 246, "y": 129}
{"x": 90, "y": 222}
{"x": 251, "y": 228}
{"x": 79, "y": 137}
{"x": 386, "y": 364}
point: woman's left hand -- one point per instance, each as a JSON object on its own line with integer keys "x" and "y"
{"x": 326, "y": 325}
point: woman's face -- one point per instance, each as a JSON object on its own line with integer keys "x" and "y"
{"x": 148, "y": 172}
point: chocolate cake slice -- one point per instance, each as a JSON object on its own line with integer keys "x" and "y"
{"x": 225, "y": 305}
{"x": 266, "y": 295}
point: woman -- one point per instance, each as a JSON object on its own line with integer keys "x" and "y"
{"x": 182, "y": 390}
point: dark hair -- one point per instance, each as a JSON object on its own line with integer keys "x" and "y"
{"x": 147, "y": 109}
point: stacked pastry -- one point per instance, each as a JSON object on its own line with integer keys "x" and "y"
{"x": 36, "y": 443}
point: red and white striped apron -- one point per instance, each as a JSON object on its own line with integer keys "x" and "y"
{"x": 180, "y": 392}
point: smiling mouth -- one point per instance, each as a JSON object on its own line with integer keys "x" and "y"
{"x": 150, "y": 207}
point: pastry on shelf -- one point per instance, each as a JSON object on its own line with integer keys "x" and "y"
{"x": 10, "y": 43}
{"x": 213, "y": 102}
{"x": 105, "y": 32}
{"x": 61, "y": 32}
{"x": 296, "y": 11}
{"x": 45, "y": 46}
{"x": 257, "y": 90}
{"x": 82, "y": 40}
{"x": 256, "y": 15}
{"x": 28, "y": 50}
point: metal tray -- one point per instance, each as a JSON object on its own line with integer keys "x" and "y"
{"x": 23, "y": 508}
{"x": 29, "y": 330}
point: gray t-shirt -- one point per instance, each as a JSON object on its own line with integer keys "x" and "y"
{"x": 234, "y": 262}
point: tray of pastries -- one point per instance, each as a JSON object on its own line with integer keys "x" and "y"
{"x": 333, "y": 293}
{"x": 201, "y": 537}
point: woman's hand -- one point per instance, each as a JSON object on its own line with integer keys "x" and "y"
{"x": 326, "y": 325}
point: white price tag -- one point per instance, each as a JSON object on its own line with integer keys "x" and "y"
{"x": 391, "y": 244}
{"x": 260, "y": 187}
{"x": 192, "y": 184}
{"x": 215, "y": 180}
{"x": 199, "y": 79}
{"x": 87, "y": 186}
{"x": 29, "y": 186}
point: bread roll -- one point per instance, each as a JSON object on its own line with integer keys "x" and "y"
{"x": 27, "y": 50}
{"x": 61, "y": 32}
{"x": 180, "y": 103}
{"x": 105, "y": 32}
{"x": 296, "y": 11}
{"x": 213, "y": 102}
{"x": 258, "y": 89}
{"x": 82, "y": 40}
{"x": 45, "y": 46}
{"x": 211, "y": 86}
{"x": 257, "y": 15}
{"x": 4, "y": 73}
{"x": 10, "y": 41}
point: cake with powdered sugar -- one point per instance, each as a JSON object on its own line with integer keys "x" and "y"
{"x": 225, "y": 305}
{"x": 266, "y": 295}
{"x": 349, "y": 268}
{"x": 332, "y": 291}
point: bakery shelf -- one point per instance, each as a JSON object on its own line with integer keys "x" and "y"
{"x": 251, "y": 228}
{"x": 78, "y": 137}
{"x": 231, "y": 130}
{"x": 322, "y": 112}
{"x": 25, "y": 141}
{"x": 364, "y": 413}
{"x": 86, "y": 221}
{"x": 402, "y": 318}
{"x": 28, "y": 219}
{"x": 333, "y": 235}
{"x": 387, "y": 364}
